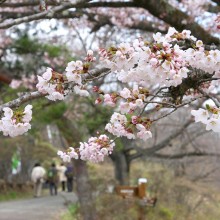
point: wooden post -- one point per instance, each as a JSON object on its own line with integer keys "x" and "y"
{"x": 140, "y": 192}
{"x": 142, "y": 185}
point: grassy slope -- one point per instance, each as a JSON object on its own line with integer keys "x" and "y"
{"x": 178, "y": 198}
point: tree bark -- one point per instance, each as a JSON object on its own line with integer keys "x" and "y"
{"x": 83, "y": 187}
{"x": 175, "y": 17}
{"x": 121, "y": 167}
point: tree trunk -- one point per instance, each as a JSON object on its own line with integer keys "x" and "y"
{"x": 83, "y": 187}
{"x": 121, "y": 167}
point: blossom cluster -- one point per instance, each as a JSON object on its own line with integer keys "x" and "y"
{"x": 51, "y": 83}
{"x": 94, "y": 150}
{"x": 133, "y": 98}
{"x": 208, "y": 61}
{"x": 17, "y": 122}
{"x": 161, "y": 63}
{"x": 147, "y": 64}
{"x": 146, "y": 68}
{"x": 209, "y": 117}
{"x": 67, "y": 156}
{"x": 120, "y": 126}
{"x": 54, "y": 84}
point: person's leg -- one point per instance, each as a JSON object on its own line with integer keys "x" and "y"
{"x": 51, "y": 188}
{"x": 55, "y": 188}
{"x": 68, "y": 184}
{"x": 63, "y": 185}
{"x": 39, "y": 189}
{"x": 71, "y": 184}
{"x": 35, "y": 189}
{"x": 70, "y": 180}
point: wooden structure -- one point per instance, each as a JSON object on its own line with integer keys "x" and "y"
{"x": 138, "y": 192}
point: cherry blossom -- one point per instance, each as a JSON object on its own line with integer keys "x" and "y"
{"x": 201, "y": 115}
{"x": 131, "y": 128}
{"x": 73, "y": 70}
{"x": 209, "y": 117}
{"x": 51, "y": 83}
{"x": 143, "y": 68}
{"x": 94, "y": 150}
{"x": 17, "y": 122}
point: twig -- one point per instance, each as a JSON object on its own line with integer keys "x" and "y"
{"x": 215, "y": 100}
{"x": 48, "y": 13}
{"x": 35, "y": 95}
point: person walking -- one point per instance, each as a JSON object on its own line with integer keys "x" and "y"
{"x": 62, "y": 177}
{"x": 37, "y": 177}
{"x": 52, "y": 178}
{"x": 69, "y": 175}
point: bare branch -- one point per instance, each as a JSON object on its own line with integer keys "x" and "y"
{"x": 187, "y": 154}
{"x": 2, "y": 1}
{"x": 24, "y": 98}
{"x": 215, "y": 100}
{"x": 172, "y": 16}
{"x": 62, "y": 15}
{"x": 46, "y": 14}
{"x": 175, "y": 18}
{"x": 26, "y": 3}
{"x": 151, "y": 151}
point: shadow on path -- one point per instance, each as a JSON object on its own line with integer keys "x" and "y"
{"x": 43, "y": 208}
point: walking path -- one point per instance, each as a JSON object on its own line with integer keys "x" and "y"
{"x": 44, "y": 208}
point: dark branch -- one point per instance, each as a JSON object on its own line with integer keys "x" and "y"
{"x": 45, "y": 14}
{"x": 173, "y": 16}
{"x": 27, "y": 4}
{"x": 162, "y": 144}
{"x": 217, "y": 2}
{"x": 187, "y": 154}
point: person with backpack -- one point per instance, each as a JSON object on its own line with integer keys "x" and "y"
{"x": 69, "y": 175}
{"x": 37, "y": 177}
{"x": 52, "y": 179}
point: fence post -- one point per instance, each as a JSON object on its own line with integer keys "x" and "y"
{"x": 142, "y": 185}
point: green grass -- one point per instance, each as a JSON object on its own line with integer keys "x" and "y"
{"x": 14, "y": 195}
{"x": 71, "y": 213}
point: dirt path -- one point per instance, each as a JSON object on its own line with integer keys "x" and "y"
{"x": 44, "y": 208}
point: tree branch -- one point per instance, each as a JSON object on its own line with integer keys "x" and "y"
{"x": 173, "y": 16}
{"x": 217, "y": 2}
{"x": 162, "y": 144}
{"x": 35, "y": 95}
{"x": 46, "y": 14}
{"x": 26, "y": 3}
{"x": 23, "y": 99}
{"x": 62, "y": 15}
{"x": 2, "y": 1}
{"x": 187, "y": 154}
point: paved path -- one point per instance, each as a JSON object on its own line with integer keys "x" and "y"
{"x": 44, "y": 208}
